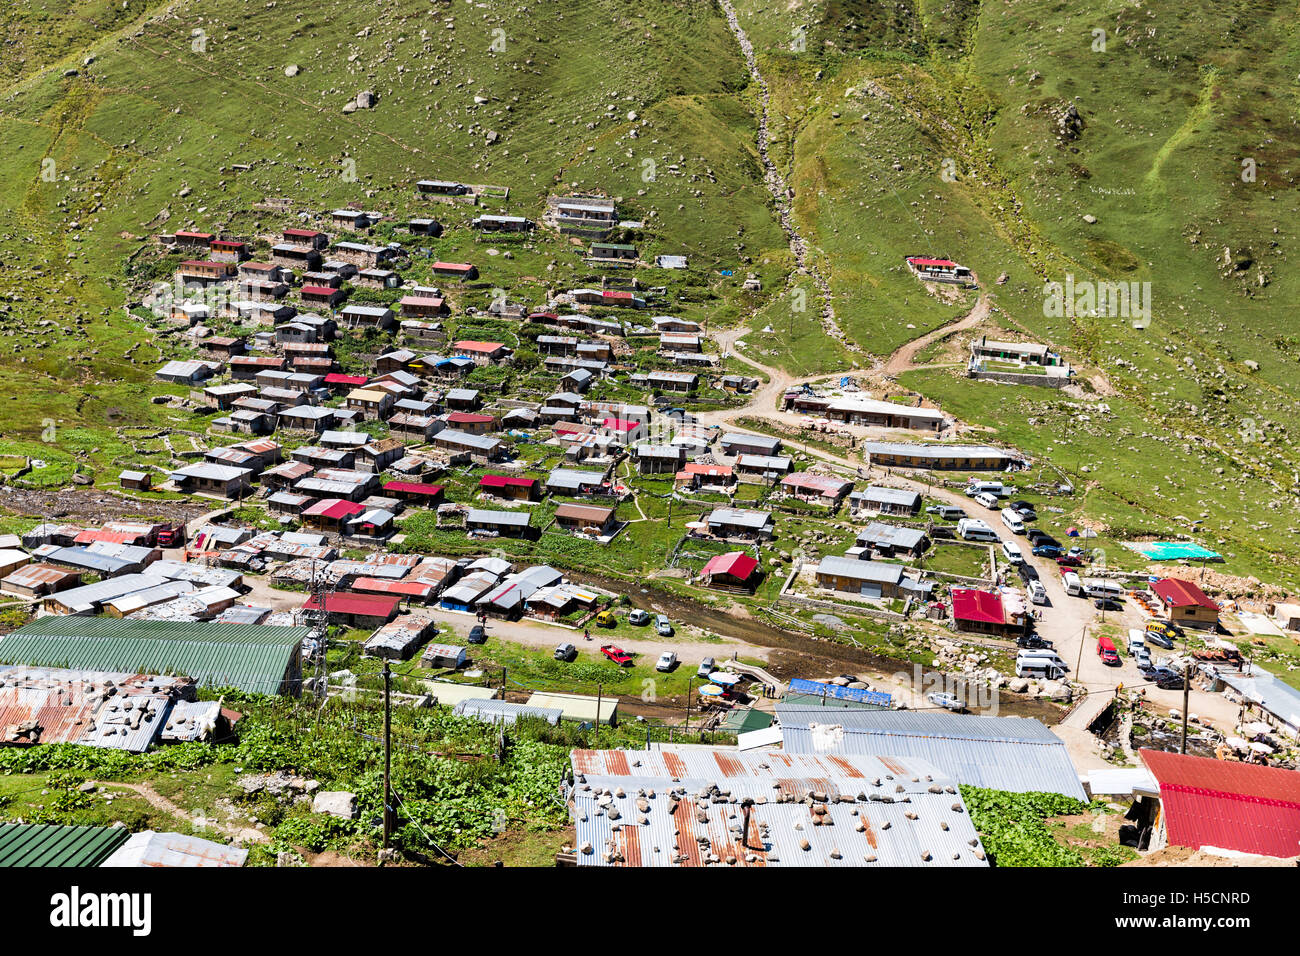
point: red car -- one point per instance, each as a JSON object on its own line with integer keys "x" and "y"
{"x": 1069, "y": 561}
{"x": 616, "y": 654}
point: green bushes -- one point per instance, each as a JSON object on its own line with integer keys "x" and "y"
{"x": 1012, "y": 826}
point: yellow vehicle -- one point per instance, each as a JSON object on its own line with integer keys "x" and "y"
{"x": 606, "y": 619}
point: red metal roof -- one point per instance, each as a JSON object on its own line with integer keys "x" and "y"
{"x": 420, "y": 589}
{"x": 943, "y": 263}
{"x": 505, "y": 481}
{"x": 1178, "y": 593}
{"x": 206, "y": 236}
{"x": 469, "y": 345}
{"x": 620, "y": 424}
{"x": 334, "y": 508}
{"x": 453, "y": 266}
{"x": 414, "y": 488}
{"x": 736, "y": 563}
{"x": 320, "y": 290}
{"x": 373, "y": 605}
{"x": 302, "y": 233}
{"x": 1235, "y": 806}
{"x": 971, "y": 605}
{"x": 228, "y": 244}
{"x": 91, "y": 535}
{"x": 469, "y": 418}
{"x": 338, "y": 378}
{"x": 614, "y": 294}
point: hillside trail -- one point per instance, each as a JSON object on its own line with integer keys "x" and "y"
{"x": 780, "y": 189}
{"x": 159, "y": 802}
{"x": 901, "y": 360}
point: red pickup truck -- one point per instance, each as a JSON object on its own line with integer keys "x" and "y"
{"x": 616, "y": 654}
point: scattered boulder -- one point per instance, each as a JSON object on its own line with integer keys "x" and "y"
{"x": 336, "y": 803}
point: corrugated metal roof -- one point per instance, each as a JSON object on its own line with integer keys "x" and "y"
{"x": 29, "y": 844}
{"x": 1018, "y": 754}
{"x": 174, "y": 850}
{"x": 252, "y": 657}
{"x": 1235, "y": 806}
{"x": 504, "y": 711}
{"x": 808, "y": 811}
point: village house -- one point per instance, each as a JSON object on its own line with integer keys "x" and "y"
{"x": 377, "y": 455}
{"x": 462, "y": 399}
{"x": 306, "y": 237}
{"x": 472, "y": 422}
{"x": 480, "y": 448}
{"x": 869, "y": 579}
{"x": 193, "y": 240}
{"x": 249, "y": 366}
{"x": 39, "y": 579}
{"x": 424, "y": 227}
{"x": 228, "y": 250}
{"x": 455, "y": 270}
{"x": 1000, "y": 613}
{"x": 610, "y": 251}
{"x": 358, "y": 316}
{"x": 672, "y": 323}
{"x": 327, "y": 280}
{"x": 321, "y": 295}
{"x": 1185, "y": 604}
{"x": 363, "y": 256}
{"x": 733, "y": 571}
{"x": 578, "y": 380}
{"x": 891, "y": 541}
{"x": 187, "y": 372}
{"x": 877, "y": 499}
{"x": 377, "y": 279}
{"x": 224, "y": 346}
{"x": 353, "y": 219}
{"x": 441, "y": 187}
{"x": 223, "y": 397}
{"x": 567, "y": 481}
{"x": 823, "y": 489}
{"x": 940, "y": 456}
{"x": 680, "y": 342}
{"x": 659, "y": 459}
{"x": 290, "y": 255}
{"x": 867, "y": 412}
{"x": 493, "y": 223}
{"x": 984, "y": 349}
{"x": 511, "y": 487}
{"x": 312, "y": 419}
{"x": 367, "y": 611}
{"x": 585, "y": 519}
{"x": 422, "y": 307}
{"x": 411, "y": 425}
{"x": 744, "y": 524}
{"x": 372, "y": 403}
{"x": 415, "y": 493}
{"x": 712, "y": 478}
{"x": 481, "y": 353}
{"x": 671, "y": 381}
{"x": 135, "y": 480}
{"x": 739, "y": 443}
{"x": 939, "y": 270}
{"x": 211, "y": 479}
{"x": 508, "y": 524}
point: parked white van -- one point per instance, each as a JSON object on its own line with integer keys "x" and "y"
{"x": 1136, "y": 639}
{"x": 1097, "y": 588}
{"x": 988, "y": 499}
{"x": 1042, "y": 670}
{"x": 975, "y": 529}
{"x": 1047, "y": 656}
{"x": 1073, "y": 586}
{"x": 1013, "y": 552}
{"x": 1011, "y": 518}
{"x": 976, "y": 488}
{"x": 1037, "y": 592}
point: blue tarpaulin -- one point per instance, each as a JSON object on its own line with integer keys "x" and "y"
{"x": 859, "y": 694}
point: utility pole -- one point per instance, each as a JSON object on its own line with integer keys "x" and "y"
{"x": 600, "y": 693}
{"x": 388, "y": 753}
{"x": 1187, "y": 688}
{"x": 689, "y": 681}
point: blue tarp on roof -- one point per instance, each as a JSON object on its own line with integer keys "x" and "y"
{"x": 859, "y": 694}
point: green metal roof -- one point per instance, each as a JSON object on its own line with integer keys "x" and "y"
{"x": 31, "y": 844}
{"x": 252, "y": 657}
{"x": 743, "y": 720}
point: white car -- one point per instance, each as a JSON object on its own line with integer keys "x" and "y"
{"x": 663, "y": 627}
{"x": 946, "y": 701}
{"x": 667, "y": 661}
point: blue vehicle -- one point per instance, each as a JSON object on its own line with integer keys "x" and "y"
{"x": 1048, "y": 551}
